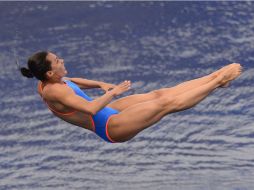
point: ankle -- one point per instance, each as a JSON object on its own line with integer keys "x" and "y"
{"x": 220, "y": 80}
{"x": 214, "y": 74}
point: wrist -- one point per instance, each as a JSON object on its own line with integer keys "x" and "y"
{"x": 112, "y": 93}
{"x": 100, "y": 84}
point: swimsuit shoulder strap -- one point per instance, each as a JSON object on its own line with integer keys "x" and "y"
{"x": 77, "y": 90}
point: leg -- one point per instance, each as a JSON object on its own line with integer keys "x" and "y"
{"x": 134, "y": 119}
{"x": 184, "y": 87}
{"x": 125, "y": 102}
{"x": 188, "y": 85}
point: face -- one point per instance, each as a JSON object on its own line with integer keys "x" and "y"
{"x": 57, "y": 65}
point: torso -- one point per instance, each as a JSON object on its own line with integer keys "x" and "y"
{"x": 67, "y": 114}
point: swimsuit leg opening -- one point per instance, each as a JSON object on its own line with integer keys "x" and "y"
{"x": 107, "y": 133}
{"x": 93, "y": 124}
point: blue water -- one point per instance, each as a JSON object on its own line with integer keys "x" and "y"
{"x": 155, "y": 45}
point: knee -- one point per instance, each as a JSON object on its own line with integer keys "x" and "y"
{"x": 170, "y": 103}
{"x": 155, "y": 94}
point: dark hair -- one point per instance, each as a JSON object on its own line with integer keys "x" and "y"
{"x": 38, "y": 65}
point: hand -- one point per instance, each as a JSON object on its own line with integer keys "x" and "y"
{"x": 121, "y": 88}
{"x": 106, "y": 86}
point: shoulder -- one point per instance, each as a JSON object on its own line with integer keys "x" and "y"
{"x": 56, "y": 91}
{"x": 67, "y": 78}
{"x": 39, "y": 88}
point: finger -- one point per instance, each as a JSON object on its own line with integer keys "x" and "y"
{"x": 126, "y": 86}
{"x": 124, "y": 82}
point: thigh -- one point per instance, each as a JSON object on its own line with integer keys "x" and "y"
{"x": 131, "y": 121}
{"x": 125, "y": 102}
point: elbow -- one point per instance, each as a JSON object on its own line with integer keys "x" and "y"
{"x": 92, "y": 109}
{"x": 92, "y": 112}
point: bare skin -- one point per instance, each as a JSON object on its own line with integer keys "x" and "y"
{"x": 137, "y": 112}
{"x": 125, "y": 102}
{"x": 179, "y": 98}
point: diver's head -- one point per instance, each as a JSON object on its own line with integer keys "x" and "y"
{"x": 45, "y": 66}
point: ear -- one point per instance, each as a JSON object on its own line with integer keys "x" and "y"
{"x": 49, "y": 74}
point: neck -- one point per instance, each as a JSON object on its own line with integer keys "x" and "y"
{"x": 53, "y": 80}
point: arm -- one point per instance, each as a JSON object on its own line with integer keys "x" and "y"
{"x": 67, "y": 97}
{"x": 85, "y": 83}
{"x": 76, "y": 102}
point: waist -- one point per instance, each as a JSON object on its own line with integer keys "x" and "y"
{"x": 79, "y": 119}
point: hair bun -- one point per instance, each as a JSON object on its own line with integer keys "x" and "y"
{"x": 26, "y": 72}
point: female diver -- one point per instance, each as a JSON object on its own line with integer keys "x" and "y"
{"x": 124, "y": 118}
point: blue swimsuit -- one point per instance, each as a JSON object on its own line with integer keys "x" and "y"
{"x": 100, "y": 119}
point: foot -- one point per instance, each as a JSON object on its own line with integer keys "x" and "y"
{"x": 220, "y": 71}
{"x": 232, "y": 72}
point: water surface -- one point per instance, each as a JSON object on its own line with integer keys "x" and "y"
{"x": 155, "y": 45}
